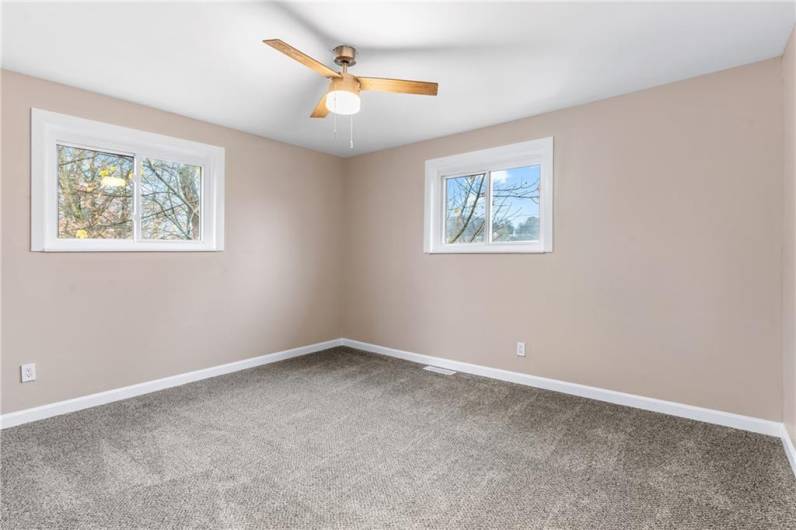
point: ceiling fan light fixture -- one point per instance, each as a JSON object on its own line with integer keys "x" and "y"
{"x": 343, "y": 95}
{"x": 343, "y": 102}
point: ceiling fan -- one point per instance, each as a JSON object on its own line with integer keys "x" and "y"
{"x": 342, "y": 96}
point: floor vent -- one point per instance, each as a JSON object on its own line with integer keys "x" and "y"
{"x": 437, "y": 370}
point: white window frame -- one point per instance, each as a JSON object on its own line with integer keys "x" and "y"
{"x": 533, "y": 152}
{"x": 50, "y": 129}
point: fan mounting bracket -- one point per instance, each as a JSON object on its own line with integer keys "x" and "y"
{"x": 345, "y": 55}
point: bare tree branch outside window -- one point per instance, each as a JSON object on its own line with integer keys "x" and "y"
{"x": 95, "y": 194}
{"x": 170, "y": 200}
{"x": 466, "y": 209}
{"x": 514, "y": 206}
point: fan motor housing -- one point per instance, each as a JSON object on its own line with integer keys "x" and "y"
{"x": 345, "y": 55}
{"x": 345, "y": 82}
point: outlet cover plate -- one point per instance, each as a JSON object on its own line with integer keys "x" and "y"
{"x": 28, "y": 372}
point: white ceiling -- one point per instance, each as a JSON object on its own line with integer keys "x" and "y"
{"x": 494, "y": 62}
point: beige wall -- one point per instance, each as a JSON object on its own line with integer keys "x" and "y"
{"x": 666, "y": 275}
{"x": 96, "y": 321}
{"x": 665, "y": 280}
{"x": 789, "y": 264}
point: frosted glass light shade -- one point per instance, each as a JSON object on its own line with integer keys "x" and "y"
{"x": 342, "y": 102}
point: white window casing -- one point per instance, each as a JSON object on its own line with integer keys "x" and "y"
{"x": 50, "y": 129}
{"x": 530, "y": 153}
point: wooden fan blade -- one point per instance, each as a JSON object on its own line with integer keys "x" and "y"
{"x": 403, "y": 86}
{"x": 320, "y": 110}
{"x": 301, "y": 57}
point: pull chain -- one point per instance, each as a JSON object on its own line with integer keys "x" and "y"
{"x": 334, "y": 117}
{"x": 351, "y": 135}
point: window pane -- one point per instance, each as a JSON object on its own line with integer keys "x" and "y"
{"x": 515, "y": 204}
{"x": 95, "y": 194}
{"x": 170, "y": 200}
{"x": 465, "y": 210}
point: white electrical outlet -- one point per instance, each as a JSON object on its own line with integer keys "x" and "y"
{"x": 28, "y": 372}
{"x": 521, "y": 349}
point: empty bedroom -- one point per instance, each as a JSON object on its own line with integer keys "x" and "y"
{"x": 447, "y": 265}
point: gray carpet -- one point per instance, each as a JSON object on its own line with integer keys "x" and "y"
{"x": 344, "y": 439}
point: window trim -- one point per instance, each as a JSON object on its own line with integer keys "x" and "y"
{"x": 438, "y": 170}
{"x": 49, "y": 129}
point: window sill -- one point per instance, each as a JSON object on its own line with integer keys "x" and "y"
{"x": 126, "y": 246}
{"x": 491, "y": 249}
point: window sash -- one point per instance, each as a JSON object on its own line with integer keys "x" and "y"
{"x": 489, "y": 228}
{"x": 135, "y": 217}
{"x": 444, "y": 205}
{"x": 138, "y": 195}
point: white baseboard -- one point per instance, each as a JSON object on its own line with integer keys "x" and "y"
{"x": 790, "y": 450}
{"x": 717, "y": 417}
{"x": 727, "y": 419}
{"x": 92, "y": 400}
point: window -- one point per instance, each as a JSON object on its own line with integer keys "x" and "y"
{"x": 100, "y": 187}
{"x": 495, "y": 200}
